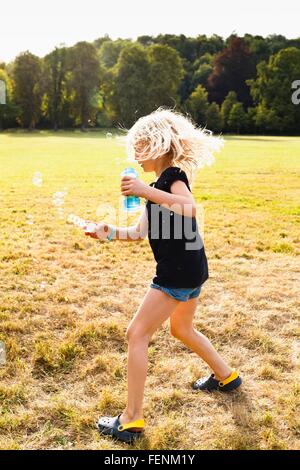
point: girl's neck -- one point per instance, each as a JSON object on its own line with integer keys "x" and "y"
{"x": 162, "y": 167}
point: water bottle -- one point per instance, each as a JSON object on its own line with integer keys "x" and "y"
{"x": 131, "y": 203}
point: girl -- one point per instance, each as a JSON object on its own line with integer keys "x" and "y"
{"x": 169, "y": 144}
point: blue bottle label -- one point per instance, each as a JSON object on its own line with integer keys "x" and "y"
{"x": 131, "y": 203}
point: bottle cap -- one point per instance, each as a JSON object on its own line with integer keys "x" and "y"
{"x": 129, "y": 172}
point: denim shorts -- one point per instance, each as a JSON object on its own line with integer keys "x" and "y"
{"x": 179, "y": 293}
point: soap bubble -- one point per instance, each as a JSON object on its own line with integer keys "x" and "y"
{"x": 58, "y": 201}
{"x": 29, "y": 220}
{"x": 76, "y": 220}
{"x": 70, "y": 218}
{"x": 37, "y": 179}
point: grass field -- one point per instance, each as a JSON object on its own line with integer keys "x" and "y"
{"x": 66, "y": 300}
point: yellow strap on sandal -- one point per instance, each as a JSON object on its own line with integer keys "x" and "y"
{"x": 139, "y": 423}
{"x": 234, "y": 374}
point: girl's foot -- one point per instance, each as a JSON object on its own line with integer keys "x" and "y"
{"x": 210, "y": 383}
{"x": 125, "y": 419}
{"x": 126, "y": 432}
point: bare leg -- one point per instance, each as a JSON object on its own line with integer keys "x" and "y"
{"x": 154, "y": 310}
{"x": 181, "y": 323}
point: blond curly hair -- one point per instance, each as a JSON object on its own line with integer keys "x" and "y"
{"x": 166, "y": 132}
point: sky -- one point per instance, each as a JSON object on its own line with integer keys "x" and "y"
{"x": 39, "y": 26}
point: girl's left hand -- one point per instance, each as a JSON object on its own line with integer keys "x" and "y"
{"x": 133, "y": 187}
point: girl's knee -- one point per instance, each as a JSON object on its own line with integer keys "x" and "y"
{"x": 135, "y": 335}
{"x": 181, "y": 332}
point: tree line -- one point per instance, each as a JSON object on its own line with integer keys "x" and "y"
{"x": 239, "y": 85}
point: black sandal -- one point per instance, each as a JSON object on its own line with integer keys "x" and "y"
{"x": 209, "y": 384}
{"x": 128, "y": 432}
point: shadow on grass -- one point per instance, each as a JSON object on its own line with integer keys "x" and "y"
{"x": 244, "y": 414}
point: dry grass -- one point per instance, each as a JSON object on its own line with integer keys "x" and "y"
{"x": 66, "y": 352}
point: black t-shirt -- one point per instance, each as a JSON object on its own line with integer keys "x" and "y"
{"x": 175, "y": 240}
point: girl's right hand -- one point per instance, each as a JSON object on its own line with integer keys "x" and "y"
{"x": 101, "y": 231}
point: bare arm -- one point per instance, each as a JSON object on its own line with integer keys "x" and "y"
{"x": 134, "y": 233}
{"x": 179, "y": 200}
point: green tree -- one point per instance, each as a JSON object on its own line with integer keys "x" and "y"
{"x": 276, "y": 42}
{"x": 211, "y": 45}
{"x": 166, "y": 73}
{"x": 197, "y": 105}
{"x": 237, "y": 119}
{"x": 146, "y": 40}
{"x": 108, "y": 115}
{"x": 130, "y": 97}
{"x": 84, "y": 83}
{"x": 110, "y": 50}
{"x": 213, "y": 117}
{"x": 258, "y": 46}
{"x": 266, "y": 119}
{"x": 28, "y": 88}
{"x": 201, "y": 74}
{"x": 272, "y": 92}
{"x": 55, "y": 78}
{"x": 251, "y": 124}
{"x": 186, "y": 47}
{"x": 228, "y": 103}
{"x": 98, "y": 42}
